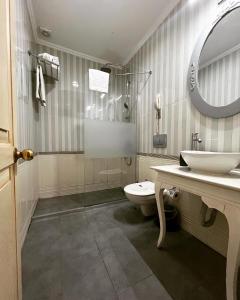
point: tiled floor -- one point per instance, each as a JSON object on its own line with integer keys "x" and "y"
{"x": 110, "y": 253}
{"x": 63, "y": 203}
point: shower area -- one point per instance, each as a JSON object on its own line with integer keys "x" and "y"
{"x": 86, "y": 135}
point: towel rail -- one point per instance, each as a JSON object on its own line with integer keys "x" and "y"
{"x": 44, "y": 64}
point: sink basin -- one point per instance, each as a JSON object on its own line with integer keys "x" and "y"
{"x": 211, "y": 162}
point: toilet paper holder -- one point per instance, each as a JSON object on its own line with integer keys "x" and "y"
{"x": 171, "y": 195}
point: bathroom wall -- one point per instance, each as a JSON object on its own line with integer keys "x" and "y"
{"x": 167, "y": 53}
{"x": 27, "y": 119}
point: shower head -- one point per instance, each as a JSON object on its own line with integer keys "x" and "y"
{"x": 106, "y": 69}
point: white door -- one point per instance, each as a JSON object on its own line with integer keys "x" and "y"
{"x": 10, "y": 258}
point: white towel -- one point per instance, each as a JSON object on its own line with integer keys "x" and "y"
{"x": 49, "y": 57}
{"x": 98, "y": 81}
{"x": 51, "y": 70}
{"x": 40, "y": 86}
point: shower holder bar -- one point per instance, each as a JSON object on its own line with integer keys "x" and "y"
{"x": 139, "y": 73}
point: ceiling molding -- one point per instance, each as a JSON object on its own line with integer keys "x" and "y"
{"x": 164, "y": 14}
{"x": 55, "y": 46}
{"x": 70, "y": 51}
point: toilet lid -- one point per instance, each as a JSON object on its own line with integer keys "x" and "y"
{"x": 145, "y": 188}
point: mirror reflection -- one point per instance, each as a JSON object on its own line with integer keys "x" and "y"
{"x": 219, "y": 65}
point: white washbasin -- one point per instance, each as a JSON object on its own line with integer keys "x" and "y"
{"x": 212, "y": 162}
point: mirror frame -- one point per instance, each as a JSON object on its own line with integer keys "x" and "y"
{"x": 197, "y": 99}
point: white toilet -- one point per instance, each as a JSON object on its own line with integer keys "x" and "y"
{"x": 143, "y": 194}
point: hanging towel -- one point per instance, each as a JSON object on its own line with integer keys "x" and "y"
{"x": 40, "y": 86}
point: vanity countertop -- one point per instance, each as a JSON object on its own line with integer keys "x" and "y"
{"x": 229, "y": 181}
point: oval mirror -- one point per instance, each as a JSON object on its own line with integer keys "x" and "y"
{"x": 215, "y": 66}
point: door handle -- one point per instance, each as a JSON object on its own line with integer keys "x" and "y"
{"x": 26, "y": 154}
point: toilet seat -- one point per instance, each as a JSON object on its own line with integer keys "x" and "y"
{"x": 143, "y": 194}
{"x": 146, "y": 188}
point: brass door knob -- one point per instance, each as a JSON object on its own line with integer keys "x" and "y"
{"x": 26, "y": 154}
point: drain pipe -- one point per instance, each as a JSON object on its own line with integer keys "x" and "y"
{"x": 204, "y": 211}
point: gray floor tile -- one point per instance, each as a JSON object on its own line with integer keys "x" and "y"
{"x": 76, "y": 245}
{"x": 43, "y": 283}
{"x": 124, "y": 264}
{"x": 96, "y": 253}
{"x": 151, "y": 288}
{"x": 116, "y": 271}
{"x": 95, "y": 285}
{"x": 128, "y": 294}
{"x": 75, "y": 268}
{"x": 43, "y": 233}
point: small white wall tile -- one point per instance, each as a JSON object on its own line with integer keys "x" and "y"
{"x": 26, "y": 194}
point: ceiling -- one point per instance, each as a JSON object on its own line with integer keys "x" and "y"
{"x": 102, "y": 30}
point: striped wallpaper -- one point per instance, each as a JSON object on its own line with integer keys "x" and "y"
{"x": 62, "y": 121}
{"x": 27, "y": 115}
{"x": 168, "y": 52}
{"x": 219, "y": 81}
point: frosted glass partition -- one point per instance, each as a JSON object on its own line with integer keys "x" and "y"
{"x": 109, "y": 139}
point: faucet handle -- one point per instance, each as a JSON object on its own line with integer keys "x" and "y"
{"x": 195, "y": 139}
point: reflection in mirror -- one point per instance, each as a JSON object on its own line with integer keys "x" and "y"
{"x": 219, "y": 65}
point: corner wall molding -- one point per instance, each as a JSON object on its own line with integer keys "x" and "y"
{"x": 164, "y": 14}
{"x": 72, "y": 52}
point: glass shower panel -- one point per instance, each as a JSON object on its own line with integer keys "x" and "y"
{"x": 104, "y": 139}
{"x": 110, "y": 138}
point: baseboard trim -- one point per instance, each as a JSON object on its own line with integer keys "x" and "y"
{"x": 27, "y": 223}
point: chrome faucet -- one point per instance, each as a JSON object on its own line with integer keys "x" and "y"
{"x": 195, "y": 141}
